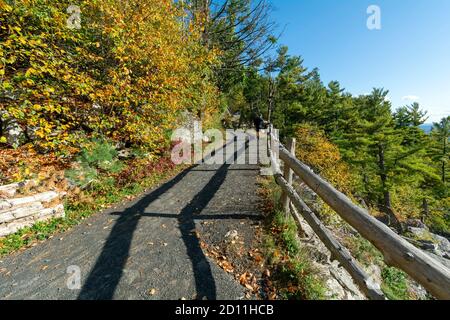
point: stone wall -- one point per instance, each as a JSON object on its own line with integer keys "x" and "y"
{"x": 17, "y": 212}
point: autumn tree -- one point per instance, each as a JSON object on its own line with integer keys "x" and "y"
{"x": 126, "y": 74}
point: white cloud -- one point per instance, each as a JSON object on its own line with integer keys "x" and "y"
{"x": 411, "y": 98}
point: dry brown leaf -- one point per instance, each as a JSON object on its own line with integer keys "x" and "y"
{"x": 249, "y": 286}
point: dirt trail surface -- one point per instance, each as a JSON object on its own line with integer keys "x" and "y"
{"x": 148, "y": 248}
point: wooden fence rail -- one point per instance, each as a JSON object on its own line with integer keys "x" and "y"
{"x": 397, "y": 252}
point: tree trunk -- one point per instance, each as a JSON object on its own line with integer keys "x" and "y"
{"x": 443, "y": 160}
{"x": 271, "y": 99}
{"x": 425, "y": 210}
{"x": 202, "y": 9}
{"x": 387, "y": 203}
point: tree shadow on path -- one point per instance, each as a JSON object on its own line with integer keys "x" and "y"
{"x": 104, "y": 278}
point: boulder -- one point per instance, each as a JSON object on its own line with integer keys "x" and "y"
{"x": 428, "y": 245}
{"x": 419, "y": 233}
{"x": 416, "y": 223}
{"x": 430, "y": 242}
{"x": 443, "y": 245}
{"x": 125, "y": 154}
{"x": 14, "y": 134}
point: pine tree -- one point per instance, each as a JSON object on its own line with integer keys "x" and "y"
{"x": 441, "y": 135}
{"x": 384, "y": 152}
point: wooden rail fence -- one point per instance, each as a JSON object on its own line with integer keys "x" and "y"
{"x": 397, "y": 252}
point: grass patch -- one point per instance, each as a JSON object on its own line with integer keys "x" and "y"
{"x": 293, "y": 273}
{"x": 363, "y": 251}
{"x": 394, "y": 281}
{"x": 294, "y": 276}
{"x": 395, "y": 285}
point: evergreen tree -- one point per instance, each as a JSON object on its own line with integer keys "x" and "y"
{"x": 441, "y": 135}
{"x": 385, "y": 153}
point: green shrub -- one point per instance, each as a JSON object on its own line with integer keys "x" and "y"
{"x": 295, "y": 273}
{"x": 99, "y": 155}
{"x": 395, "y": 284}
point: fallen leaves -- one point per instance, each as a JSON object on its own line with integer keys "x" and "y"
{"x": 256, "y": 255}
{"x": 242, "y": 259}
{"x": 248, "y": 280}
{"x": 226, "y": 265}
{"x": 221, "y": 260}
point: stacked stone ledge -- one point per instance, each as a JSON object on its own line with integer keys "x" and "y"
{"x": 17, "y": 212}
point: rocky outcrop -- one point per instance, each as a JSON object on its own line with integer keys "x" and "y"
{"x": 17, "y": 212}
{"x": 439, "y": 246}
{"x": 339, "y": 283}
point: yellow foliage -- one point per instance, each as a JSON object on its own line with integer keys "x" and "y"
{"x": 406, "y": 202}
{"x": 314, "y": 149}
{"x": 126, "y": 74}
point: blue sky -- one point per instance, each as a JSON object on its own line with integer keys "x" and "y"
{"x": 409, "y": 56}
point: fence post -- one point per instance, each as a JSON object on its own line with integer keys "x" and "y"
{"x": 288, "y": 175}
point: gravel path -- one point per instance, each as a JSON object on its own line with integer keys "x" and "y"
{"x": 145, "y": 249}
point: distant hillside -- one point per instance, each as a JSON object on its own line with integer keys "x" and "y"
{"x": 427, "y": 127}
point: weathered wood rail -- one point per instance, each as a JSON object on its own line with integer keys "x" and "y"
{"x": 397, "y": 252}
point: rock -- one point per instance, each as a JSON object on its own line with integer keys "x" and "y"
{"x": 10, "y": 190}
{"x": 17, "y": 213}
{"x": 125, "y": 154}
{"x": 318, "y": 255}
{"x": 443, "y": 245}
{"x": 352, "y": 291}
{"x": 423, "y": 238}
{"x": 31, "y": 132}
{"x": 417, "y": 290}
{"x": 374, "y": 272}
{"x": 428, "y": 245}
{"x": 14, "y": 134}
{"x": 419, "y": 233}
{"x": 120, "y": 146}
{"x": 416, "y": 223}
{"x": 21, "y": 212}
{"x": 232, "y": 235}
{"x": 334, "y": 290}
{"x": 44, "y": 197}
{"x": 444, "y": 261}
